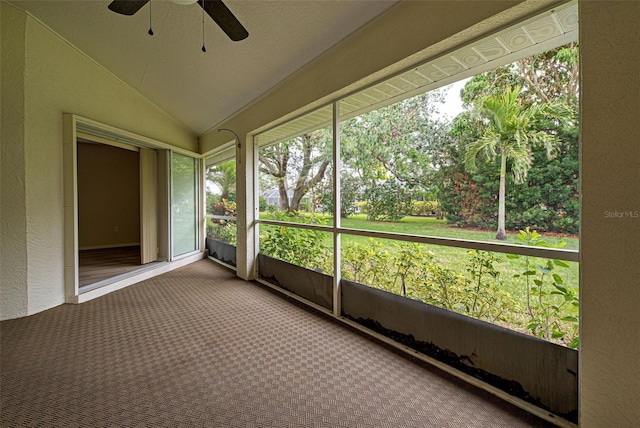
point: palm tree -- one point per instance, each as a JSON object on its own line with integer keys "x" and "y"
{"x": 224, "y": 176}
{"x": 510, "y": 134}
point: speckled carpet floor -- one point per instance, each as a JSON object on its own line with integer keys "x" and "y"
{"x": 197, "y": 347}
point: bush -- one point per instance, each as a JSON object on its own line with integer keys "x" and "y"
{"x": 222, "y": 230}
{"x": 547, "y": 308}
{"x": 412, "y": 271}
{"x": 427, "y": 209}
{"x": 262, "y": 203}
{"x": 302, "y": 247}
{"x": 387, "y": 201}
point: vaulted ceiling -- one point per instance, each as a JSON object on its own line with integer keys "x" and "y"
{"x": 202, "y": 89}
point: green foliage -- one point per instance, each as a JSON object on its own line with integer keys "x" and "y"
{"x": 547, "y": 200}
{"x": 511, "y": 132}
{"x": 349, "y": 193}
{"x": 222, "y": 229}
{"x": 387, "y": 201}
{"x": 262, "y": 203}
{"x": 552, "y": 306}
{"x": 486, "y": 297}
{"x": 427, "y": 208}
{"x": 393, "y": 142}
{"x": 302, "y": 247}
{"x": 365, "y": 264}
{"x": 479, "y": 290}
{"x": 223, "y": 175}
{"x": 546, "y": 77}
{"x": 412, "y": 271}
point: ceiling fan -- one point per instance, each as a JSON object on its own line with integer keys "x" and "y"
{"x": 214, "y": 8}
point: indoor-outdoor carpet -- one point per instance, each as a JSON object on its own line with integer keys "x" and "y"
{"x": 197, "y": 347}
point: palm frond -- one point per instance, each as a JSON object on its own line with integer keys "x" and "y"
{"x": 486, "y": 146}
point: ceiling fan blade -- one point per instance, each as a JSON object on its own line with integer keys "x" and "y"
{"x": 225, "y": 19}
{"x": 127, "y": 7}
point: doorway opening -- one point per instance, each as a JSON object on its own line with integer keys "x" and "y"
{"x": 117, "y": 211}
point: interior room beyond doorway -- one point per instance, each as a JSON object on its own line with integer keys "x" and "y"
{"x": 109, "y": 206}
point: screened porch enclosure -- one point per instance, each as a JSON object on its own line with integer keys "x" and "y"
{"x": 505, "y": 313}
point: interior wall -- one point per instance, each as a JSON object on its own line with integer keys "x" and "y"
{"x": 13, "y": 213}
{"x": 108, "y": 197}
{"x": 56, "y": 79}
{"x": 610, "y": 216}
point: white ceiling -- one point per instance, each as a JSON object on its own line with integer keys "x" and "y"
{"x": 203, "y": 89}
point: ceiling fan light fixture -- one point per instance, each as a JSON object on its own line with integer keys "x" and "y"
{"x": 217, "y": 10}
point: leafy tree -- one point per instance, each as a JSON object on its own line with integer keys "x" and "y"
{"x": 393, "y": 142}
{"x": 300, "y": 163}
{"x": 350, "y": 191}
{"x": 510, "y": 134}
{"x": 548, "y": 198}
{"x": 547, "y": 77}
{"x": 389, "y": 200}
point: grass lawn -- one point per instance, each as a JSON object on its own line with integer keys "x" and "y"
{"x": 430, "y": 226}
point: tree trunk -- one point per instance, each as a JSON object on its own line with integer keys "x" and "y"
{"x": 284, "y": 198}
{"x": 296, "y": 199}
{"x": 501, "y": 234}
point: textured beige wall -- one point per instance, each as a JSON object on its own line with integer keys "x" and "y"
{"x": 52, "y": 78}
{"x": 610, "y": 221}
{"x": 108, "y": 196}
{"x": 13, "y": 221}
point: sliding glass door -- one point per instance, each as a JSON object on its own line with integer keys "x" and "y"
{"x": 184, "y": 204}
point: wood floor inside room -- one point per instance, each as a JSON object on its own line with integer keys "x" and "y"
{"x": 100, "y": 264}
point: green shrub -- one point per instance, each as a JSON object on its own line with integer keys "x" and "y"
{"x": 410, "y": 270}
{"x": 387, "y": 201}
{"x": 222, "y": 230}
{"x": 262, "y": 203}
{"x": 427, "y": 208}
{"x": 362, "y": 206}
{"x": 302, "y": 247}
{"x": 552, "y": 306}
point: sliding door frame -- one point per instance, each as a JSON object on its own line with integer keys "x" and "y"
{"x": 75, "y": 126}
